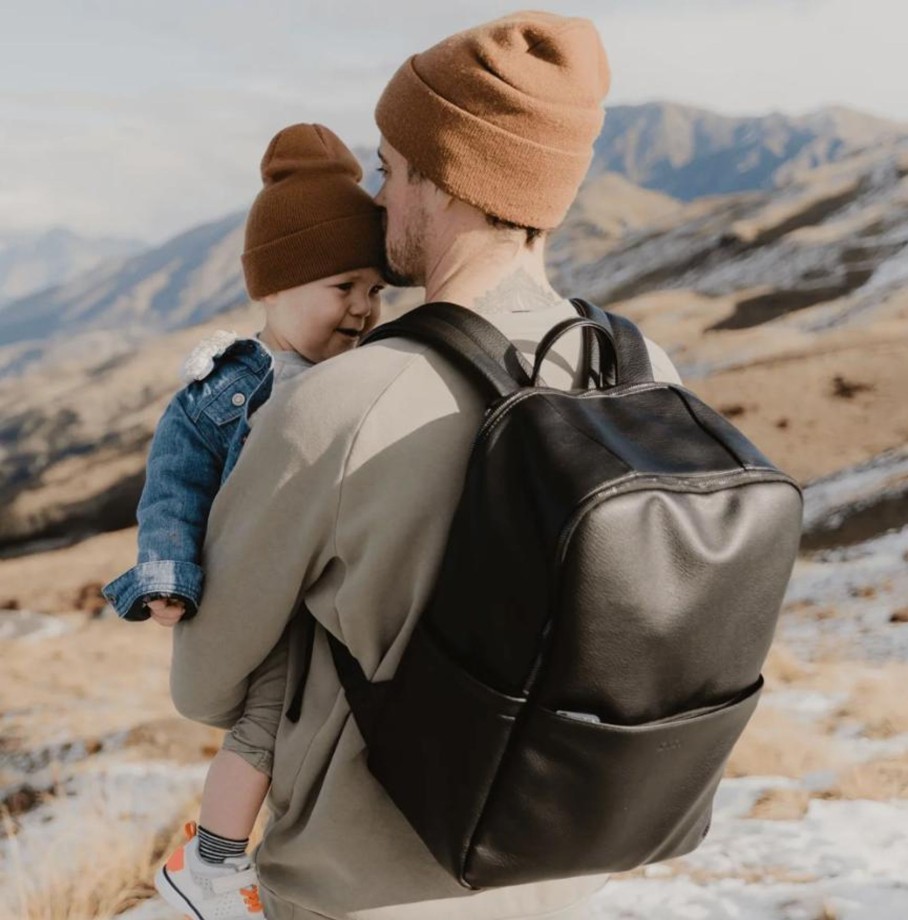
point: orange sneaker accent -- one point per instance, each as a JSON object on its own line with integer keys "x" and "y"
{"x": 176, "y": 861}
{"x": 177, "y": 858}
{"x": 251, "y": 899}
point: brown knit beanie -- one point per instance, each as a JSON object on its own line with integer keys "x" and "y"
{"x": 504, "y": 115}
{"x": 311, "y": 220}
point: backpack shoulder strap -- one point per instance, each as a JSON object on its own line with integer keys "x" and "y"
{"x": 470, "y": 341}
{"x": 364, "y": 697}
{"x": 488, "y": 357}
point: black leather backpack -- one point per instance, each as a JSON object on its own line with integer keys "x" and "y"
{"x": 593, "y": 646}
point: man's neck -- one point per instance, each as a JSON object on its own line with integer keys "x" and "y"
{"x": 503, "y": 277}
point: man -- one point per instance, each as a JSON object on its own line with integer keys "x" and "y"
{"x": 344, "y": 494}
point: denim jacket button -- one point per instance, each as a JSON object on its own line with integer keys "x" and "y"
{"x": 238, "y": 399}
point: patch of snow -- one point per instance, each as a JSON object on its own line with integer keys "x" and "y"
{"x": 137, "y": 799}
{"x": 730, "y": 899}
{"x": 890, "y": 273}
{"x": 849, "y": 856}
{"x": 858, "y": 586}
{"x": 829, "y": 499}
{"x": 866, "y": 749}
{"x": 152, "y": 909}
{"x": 31, "y": 626}
{"x": 805, "y": 704}
{"x": 736, "y": 797}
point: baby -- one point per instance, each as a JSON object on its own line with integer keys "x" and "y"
{"x": 313, "y": 254}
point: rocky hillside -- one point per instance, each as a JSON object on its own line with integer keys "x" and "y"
{"x": 820, "y": 237}
{"x": 754, "y": 296}
{"x": 677, "y": 152}
{"x": 787, "y": 308}
{"x": 73, "y": 439}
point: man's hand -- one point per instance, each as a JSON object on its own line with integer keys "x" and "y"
{"x": 166, "y": 611}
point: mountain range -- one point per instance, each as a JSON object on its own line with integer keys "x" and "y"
{"x": 784, "y": 305}
{"x": 35, "y": 261}
{"x": 679, "y": 151}
{"x": 688, "y": 152}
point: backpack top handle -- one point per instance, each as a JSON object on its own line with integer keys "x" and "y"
{"x": 631, "y": 354}
{"x": 478, "y": 348}
{"x": 605, "y": 342}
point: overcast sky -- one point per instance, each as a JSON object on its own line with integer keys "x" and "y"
{"x": 147, "y": 117}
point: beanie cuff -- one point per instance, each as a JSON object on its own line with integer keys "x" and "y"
{"x": 499, "y": 172}
{"x": 319, "y": 251}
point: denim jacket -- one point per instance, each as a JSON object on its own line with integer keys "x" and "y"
{"x": 195, "y": 446}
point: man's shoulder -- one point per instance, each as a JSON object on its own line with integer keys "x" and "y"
{"x": 345, "y": 388}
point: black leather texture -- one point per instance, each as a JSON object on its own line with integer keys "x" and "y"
{"x": 593, "y": 645}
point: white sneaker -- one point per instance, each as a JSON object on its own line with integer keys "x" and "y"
{"x": 202, "y": 891}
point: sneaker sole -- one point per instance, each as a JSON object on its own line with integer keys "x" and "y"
{"x": 172, "y": 895}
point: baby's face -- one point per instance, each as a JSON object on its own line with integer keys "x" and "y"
{"x": 326, "y": 317}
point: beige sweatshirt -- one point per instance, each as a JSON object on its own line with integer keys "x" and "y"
{"x": 343, "y": 496}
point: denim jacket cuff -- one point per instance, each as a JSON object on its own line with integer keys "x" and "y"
{"x": 162, "y": 576}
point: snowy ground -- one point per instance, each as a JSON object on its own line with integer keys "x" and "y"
{"x": 849, "y": 859}
{"x": 828, "y": 840}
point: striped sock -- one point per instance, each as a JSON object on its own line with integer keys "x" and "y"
{"x": 215, "y": 849}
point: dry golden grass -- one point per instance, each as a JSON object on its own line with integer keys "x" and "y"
{"x": 781, "y": 805}
{"x": 878, "y": 781}
{"x": 822, "y": 432}
{"x": 878, "y": 702}
{"x": 49, "y": 582}
{"x": 108, "y": 870}
{"x": 784, "y": 667}
{"x": 113, "y": 871}
{"x": 104, "y": 676}
{"x": 701, "y": 875}
{"x": 777, "y": 744}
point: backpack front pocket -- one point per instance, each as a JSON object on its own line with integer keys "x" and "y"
{"x": 438, "y": 744}
{"x": 575, "y": 797}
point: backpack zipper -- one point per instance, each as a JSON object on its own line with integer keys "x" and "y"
{"x": 494, "y": 414}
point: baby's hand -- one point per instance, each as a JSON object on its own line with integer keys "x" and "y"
{"x": 166, "y": 610}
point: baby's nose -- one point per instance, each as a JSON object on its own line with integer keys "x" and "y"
{"x": 362, "y": 305}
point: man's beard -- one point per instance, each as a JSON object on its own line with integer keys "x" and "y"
{"x": 404, "y": 262}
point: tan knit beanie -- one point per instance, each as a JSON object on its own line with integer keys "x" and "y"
{"x": 311, "y": 220}
{"x": 504, "y": 115}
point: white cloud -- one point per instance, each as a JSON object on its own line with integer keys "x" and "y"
{"x": 757, "y": 57}
{"x": 148, "y": 117}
